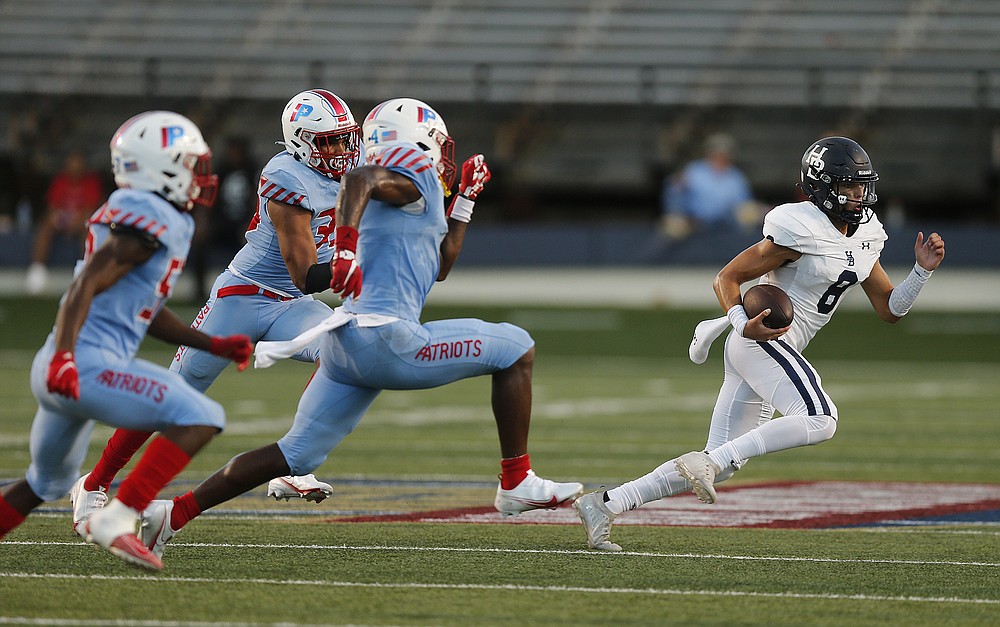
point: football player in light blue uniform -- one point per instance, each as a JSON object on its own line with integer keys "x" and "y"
{"x": 266, "y": 292}
{"x": 393, "y": 240}
{"x": 815, "y": 251}
{"x": 87, "y": 371}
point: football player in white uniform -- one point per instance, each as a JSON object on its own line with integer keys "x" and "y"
{"x": 814, "y": 250}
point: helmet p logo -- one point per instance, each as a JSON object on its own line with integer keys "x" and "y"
{"x": 301, "y": 110}
{"x": 170, "y": 134}
{"x": 425, "y": 115}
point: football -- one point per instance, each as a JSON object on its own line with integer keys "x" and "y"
{"x": 761, "y": 297}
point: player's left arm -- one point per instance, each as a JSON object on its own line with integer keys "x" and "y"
{"x": 298, "y": 248}
{"x": 892, "y": 303}
{"x": 167, "y": 326}
{"x": 475, "y": 175}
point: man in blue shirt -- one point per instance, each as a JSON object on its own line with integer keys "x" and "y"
{"x": 707, "y": 194}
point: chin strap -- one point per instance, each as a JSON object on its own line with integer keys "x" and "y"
{"x": 902, "y": 296}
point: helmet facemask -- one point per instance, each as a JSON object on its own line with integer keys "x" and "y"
{"x": 334, "y": 153}
{"x": 446, "y": 162}
{"x": 205, "y": 185}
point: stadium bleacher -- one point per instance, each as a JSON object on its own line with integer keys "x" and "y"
{"x": 578, "y": 104}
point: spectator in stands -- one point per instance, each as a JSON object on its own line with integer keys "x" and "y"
{"x": 72, "y": 197}
{"x": 220, "y": 230}
{"x": 710, "y": 193}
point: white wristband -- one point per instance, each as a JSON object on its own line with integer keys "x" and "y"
{"x": 461, "y": 209}
{"x": 902, "y": 296}
{"x": 738, "y": 317}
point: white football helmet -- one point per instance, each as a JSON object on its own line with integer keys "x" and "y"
{"x": 409, "y": 121}
{"x": 313, "y": 124}
{"x": 164, "y": 152}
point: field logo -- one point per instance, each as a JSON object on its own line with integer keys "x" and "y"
{"x": 170, "y": 134}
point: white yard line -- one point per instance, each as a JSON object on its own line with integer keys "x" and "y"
{"x": 448, "y": 549}
{"x": 415, "y": 585}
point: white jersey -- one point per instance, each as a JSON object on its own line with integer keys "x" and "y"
{"x": 830, "y": 265}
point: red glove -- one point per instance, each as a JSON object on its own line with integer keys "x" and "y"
{"x": 63, "y": 377}
{"x": 475, "y": 174}
{"x": 344, "y": 265}
{"x": 235, "y": 347}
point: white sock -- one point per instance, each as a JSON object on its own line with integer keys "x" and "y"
{"x": 774, "y": 435}
{"x": 662, "y": 482}
{"x": 705, "y": 333}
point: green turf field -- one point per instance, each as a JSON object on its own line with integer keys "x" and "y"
{"x": 614, "y": 397}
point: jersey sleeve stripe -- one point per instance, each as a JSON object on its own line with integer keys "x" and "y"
{"x": 289, "y": 198}
{"x": 401, "y": 159}
{"x": 412, "y": 164}
{"x": 387, "y": 156}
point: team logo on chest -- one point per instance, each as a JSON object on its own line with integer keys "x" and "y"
{"x": 850, "y": 258}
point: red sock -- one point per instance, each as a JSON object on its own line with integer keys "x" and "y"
{"x": 185, "y": 508}
{"x": 159, "y": 464}
{"x": 513, "y": 470}
{"x": 9, "y": 517}
{"x": 120, "y": 449}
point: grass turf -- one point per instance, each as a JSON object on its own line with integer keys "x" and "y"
{"x": 614, "y": 397}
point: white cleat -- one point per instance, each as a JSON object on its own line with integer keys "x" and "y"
{"x": 154, "y": 527}
{"x": 596, "y": 519}
{"x": 534, "y": 493}
{"x": 113, "y": 528}
{"x": 700, "y": 471}
{"x": 84, "y": 504}
{"x": 306, "y": 487}
{"x": 705, "y": 332}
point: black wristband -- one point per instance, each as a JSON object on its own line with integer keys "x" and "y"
{"x": 318, "y": 278}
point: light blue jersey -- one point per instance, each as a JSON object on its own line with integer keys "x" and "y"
{"x": 116, "y": 388}
{"x": 119, "y": 316}
{"x": 401, "y": 253}
{"x": 277, "y": 310}
{"x": 384, "y": 346}
{"x": 287, "y": 181}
